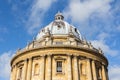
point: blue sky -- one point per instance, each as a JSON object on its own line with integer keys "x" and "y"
{"x": 97, "y": 20}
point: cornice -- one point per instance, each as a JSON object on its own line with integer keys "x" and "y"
{"x": 79, "y": 48}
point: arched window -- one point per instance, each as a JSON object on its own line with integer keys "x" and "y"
{"x": 36, "y": 69}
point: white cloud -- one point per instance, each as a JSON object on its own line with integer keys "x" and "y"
{"x": 101, "y": 42}
{"x": 5, "y": 64}
{"x": 102, "y": 36}
{"x": 82, "y": 10}
{"x": 90, "y": 16}
{"x": 36, "y": 14}
{"x": 114, "y": 72}
{"x": 106, "y": 48}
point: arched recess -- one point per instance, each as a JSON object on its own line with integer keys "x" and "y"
{"x": 36, "y": 69}
{"x": 83, "y": 69}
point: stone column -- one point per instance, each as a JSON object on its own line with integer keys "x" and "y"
{"x": 69, "y": 67}
{"x": 100, "y": 72}
{"x": 49, "y": 68}
{"x": 89, "y": 72}
{"x": 94, "y": 70}
{"x": 43, "y": 67}
{"x": 29, "y": 70}
{"x": 107, "y": 73}
{"x": 14, "y": 72}
{"x": 11, "y": 74}
{"x": 103, "y": 73}
{"x": 25, "y": 70}
{"x": 76, "y": 68}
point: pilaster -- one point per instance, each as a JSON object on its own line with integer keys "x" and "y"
{"x": 43, "y": 67}
{"x": 76, "y": 67}
{"x": 94, "y": 70}
{"x": 14, "y": 72}
{"x": 89, "y": 72}
{"x": 25, "y": 69}
{"x": 104, "y": 77}
{"x": 29, "y": 70}
{"x": 69, "y": 67}
{"x": 11, "y": 74}
{"x": 49, "y": 68}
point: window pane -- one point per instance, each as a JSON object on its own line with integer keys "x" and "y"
{"x": 59, "y": 66}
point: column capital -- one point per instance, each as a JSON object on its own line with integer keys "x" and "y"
{"x": 68, "y": 54}
{"x": 14, "y": 65}
{"x": 103, "y": 64}
{"x": 43, "y": 55}
{"x": 26, "y": 60}
{"x": 75, "y": 55}
{"x": 93, "y": 60}
{"x": 49, "y": 55}
{"x": 82, "y": 58}
{"x": 89, "y": 59}
{"x": 30, "y": 58}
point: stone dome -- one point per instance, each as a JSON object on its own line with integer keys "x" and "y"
{"x": 59, "y": 27}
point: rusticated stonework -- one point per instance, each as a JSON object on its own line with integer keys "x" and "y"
{"x": 59, "y": 53}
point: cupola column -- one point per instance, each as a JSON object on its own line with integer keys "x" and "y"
{"x": 25, "y": 69}
{"x": 76, "y": 68}
{"x": 29, "y": 70}
{"x": 89, "y": 72}
{"x": 103, "y": 72}
{"x": 49, "y": 68}
{"x": 69, "y": 67}
{"x": 94, "y": 70}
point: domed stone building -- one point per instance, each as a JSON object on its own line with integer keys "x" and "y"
{"x": 59, "y": 53}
